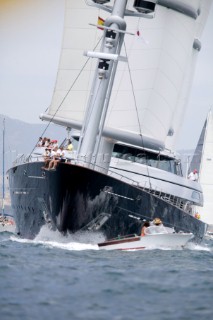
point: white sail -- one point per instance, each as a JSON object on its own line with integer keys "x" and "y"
{"x": 182, "y": 102}
{"x": 77, "y": 36}
{"x": 158, "y": 58}
{"x": 180, "y": 110}
{"x": 206, "y": 172}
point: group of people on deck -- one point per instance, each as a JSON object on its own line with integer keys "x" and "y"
{"x": 53, "y": 153}
{"x": 52, "y": 157}
{"x": 47, "y": 143}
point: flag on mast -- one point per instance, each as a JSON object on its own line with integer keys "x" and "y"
{"x": 100, "y": 23}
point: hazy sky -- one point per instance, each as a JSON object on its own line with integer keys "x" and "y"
{"x": 30, "y": 38}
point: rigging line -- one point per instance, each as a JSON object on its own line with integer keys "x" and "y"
{"x": 138, "y": 24}
{"x": 137, "y": 113}
{"x": 65, "y": 97}
{"x": 116, "y": 92}
{"x": 89, "y": 107}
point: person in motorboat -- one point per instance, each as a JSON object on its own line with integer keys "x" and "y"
{"x": 157, "y": 222}
{"x": 156, "y": 226}
{"x": 145, "y": 226}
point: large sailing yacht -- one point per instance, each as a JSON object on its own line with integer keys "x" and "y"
{"x": 126, "y": 100}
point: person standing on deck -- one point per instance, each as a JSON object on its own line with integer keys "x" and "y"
{"x": 193, "y": 175}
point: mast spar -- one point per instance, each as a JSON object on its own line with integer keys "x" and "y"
{"x": 108, "y": 57}
{"x": 111, "y": 47}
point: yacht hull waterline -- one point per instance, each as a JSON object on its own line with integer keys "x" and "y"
{"x": 74, "y": 198}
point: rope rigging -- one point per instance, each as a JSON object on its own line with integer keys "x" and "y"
{"x": 60, "y": 105}
{"x": 137, "y": 113}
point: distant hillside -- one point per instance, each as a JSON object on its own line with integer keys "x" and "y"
{"x": 21, "y": 137}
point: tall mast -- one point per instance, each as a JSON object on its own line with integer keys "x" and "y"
{"x": 3, "y": 153}
{"x": 107, "y": 63}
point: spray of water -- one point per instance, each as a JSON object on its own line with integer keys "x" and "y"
{"x": 88, "y": 241}
{"x": 78, "y": 241}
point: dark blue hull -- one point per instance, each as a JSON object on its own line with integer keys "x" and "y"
{"x": 74, "y": 198}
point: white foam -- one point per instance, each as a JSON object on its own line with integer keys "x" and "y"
{"x": 17, "y": 239}
{"x": 54, "y": 239}
{"x": 88, "y": 241}
{"x": 198, "y": 247}
{"x": 72, "y": 246}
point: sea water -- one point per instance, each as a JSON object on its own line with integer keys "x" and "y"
{"x": 55, "y": 277}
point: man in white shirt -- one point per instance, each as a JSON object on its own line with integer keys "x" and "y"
{"x": 193, "y": 175}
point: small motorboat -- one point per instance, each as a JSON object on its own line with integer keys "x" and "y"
{"x": 159, "y": 240}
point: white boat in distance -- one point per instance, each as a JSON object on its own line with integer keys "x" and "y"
{"x": 7, "y": 228}
{"x": 7, "y": 224}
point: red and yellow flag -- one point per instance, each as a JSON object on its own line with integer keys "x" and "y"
{"x": 100, "y": 23}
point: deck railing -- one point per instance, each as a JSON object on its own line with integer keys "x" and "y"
{"x": 145, "y": 186}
